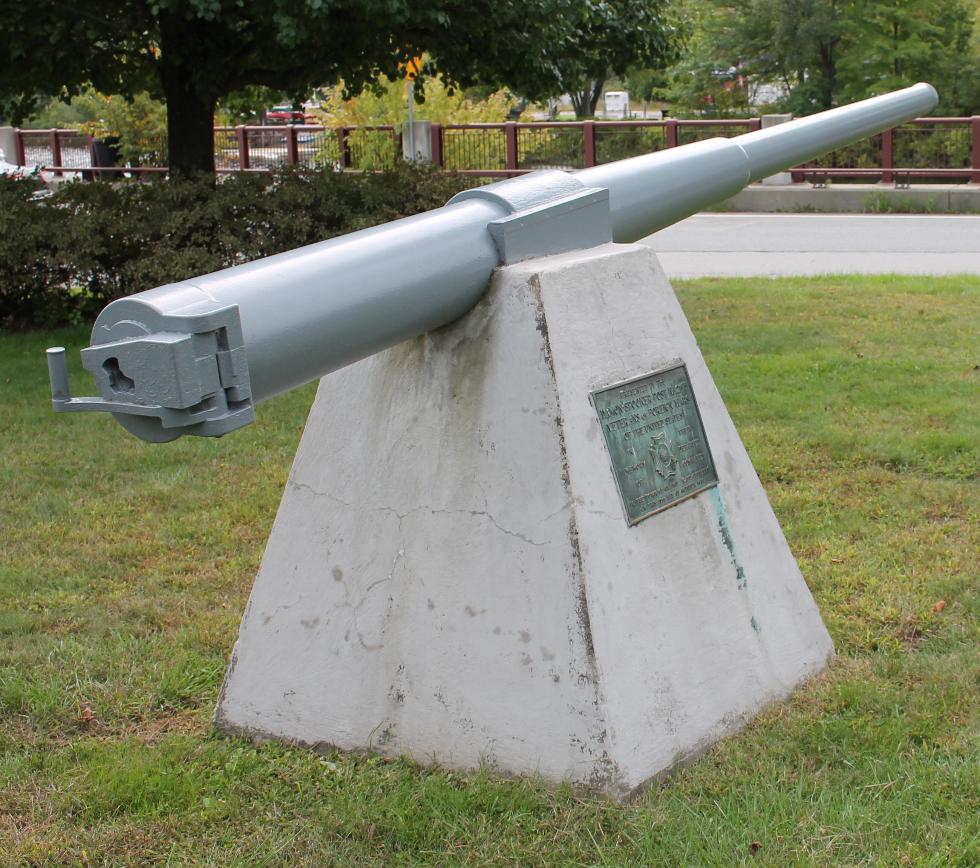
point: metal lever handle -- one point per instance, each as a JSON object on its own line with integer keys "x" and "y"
{"x": 58, "y": 375}
{"x": 63, "y": 402}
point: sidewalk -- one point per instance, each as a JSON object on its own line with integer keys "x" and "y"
{"x": 755, "y": 245}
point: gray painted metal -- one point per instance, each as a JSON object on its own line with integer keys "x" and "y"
{"x": 195, "y": 357}
{"x": 651, "y": 192}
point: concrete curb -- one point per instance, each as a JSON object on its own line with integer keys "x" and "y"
{"x": 857, "y": 198}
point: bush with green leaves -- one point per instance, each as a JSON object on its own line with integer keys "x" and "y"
{"x": 64, "y": 257}
{"x": 137, "y": 126}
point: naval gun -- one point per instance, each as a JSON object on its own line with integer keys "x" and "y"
{"x": 195, "y": 357}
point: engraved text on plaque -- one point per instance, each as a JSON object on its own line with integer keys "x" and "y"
{"x": 656, "y": 441}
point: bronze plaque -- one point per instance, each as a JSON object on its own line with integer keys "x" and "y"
{"x": 656, "y": 441}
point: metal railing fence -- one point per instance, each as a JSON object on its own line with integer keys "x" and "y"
{"x": 926, "y": 148}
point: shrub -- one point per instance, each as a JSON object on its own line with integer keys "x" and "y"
{"x": 137, "y": 125}
{"x": 64, "y": 257}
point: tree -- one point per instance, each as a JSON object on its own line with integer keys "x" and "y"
{"x": 706, "y": 80}
{"x": 136, "y": 127}
{"x": 194, "y": 52}
{"x": 794, "y": 42}
{"x": 610, "y": 39}
{"x": 647, "y": 85}
{"x": 249, "y": 104}
{"x": 905, "y": 41}
{"x": 826, "y": 52}
{"x": 384, "y": 103}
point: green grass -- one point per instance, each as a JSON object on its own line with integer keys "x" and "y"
{"x": 124, "y": 568}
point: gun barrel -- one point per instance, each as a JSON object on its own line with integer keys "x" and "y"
{"x": 651, "y": 192}
{"x": 778, "y": 147}
{"x": 323, "y": 306}
{"x": 194, "y": 357}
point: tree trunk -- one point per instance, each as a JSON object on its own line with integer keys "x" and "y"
{"x": 585, "y": 101}
{"x": 190, "y": 113}
{"x": 828, "y": 71}
{"x": 190, "y": 131}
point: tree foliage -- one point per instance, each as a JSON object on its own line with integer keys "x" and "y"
{"x": 384, "y": 103}
{"x": 903, "y": 41}
{"x": 249, "y": 104}
{"x": 826, "y": 52}
{"x": 137, "y": 127}
{"x": 194, "y": 52}
{"x": 700, "y": 81}
{"x": 611, "y": 39}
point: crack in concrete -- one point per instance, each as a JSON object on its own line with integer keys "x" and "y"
{"x": 486, "y": 512}
{"x": 502, "y": 529}
{"x": 558, "y": 511}
{"x": 600, "y": 513}
{"x": 401, "y": 516}
{"x": 307, "y": 487}
{"x": 355, "y": 607}
{"x": 613, "y": 342}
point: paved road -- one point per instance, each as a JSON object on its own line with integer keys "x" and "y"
{"x": 750, "y": 245}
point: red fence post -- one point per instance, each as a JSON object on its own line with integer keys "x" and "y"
{"x": 242, "y": 136}
{"x": 435, "y": 131}
{"x": 55, "y": 149}
{"x": 671, "y": 129}
{"x": 887, "y": 156}
{"x": 292, "y": 151}
{"x": 588, "y": 140}
{"x": 510, "y": 133}
{"x": 975, "y": 132}
{"x": 21, "y": 156}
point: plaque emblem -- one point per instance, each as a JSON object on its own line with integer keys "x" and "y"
{"x": 656, "y": 442}
{"x": 663, "y": 458}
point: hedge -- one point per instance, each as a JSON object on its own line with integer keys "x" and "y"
{"x": 64, "y": 257}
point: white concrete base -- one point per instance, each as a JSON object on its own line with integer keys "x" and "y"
{"x": 450, "y": 576}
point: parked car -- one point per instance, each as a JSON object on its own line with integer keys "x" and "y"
{"x": 286, "y": 114}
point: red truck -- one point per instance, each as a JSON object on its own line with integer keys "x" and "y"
{"x": 286, "y": 114}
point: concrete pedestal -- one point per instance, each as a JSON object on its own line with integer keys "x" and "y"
{"x": 450, "y": 575}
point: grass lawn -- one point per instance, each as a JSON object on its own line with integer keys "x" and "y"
{"x": 125, "y": 566}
